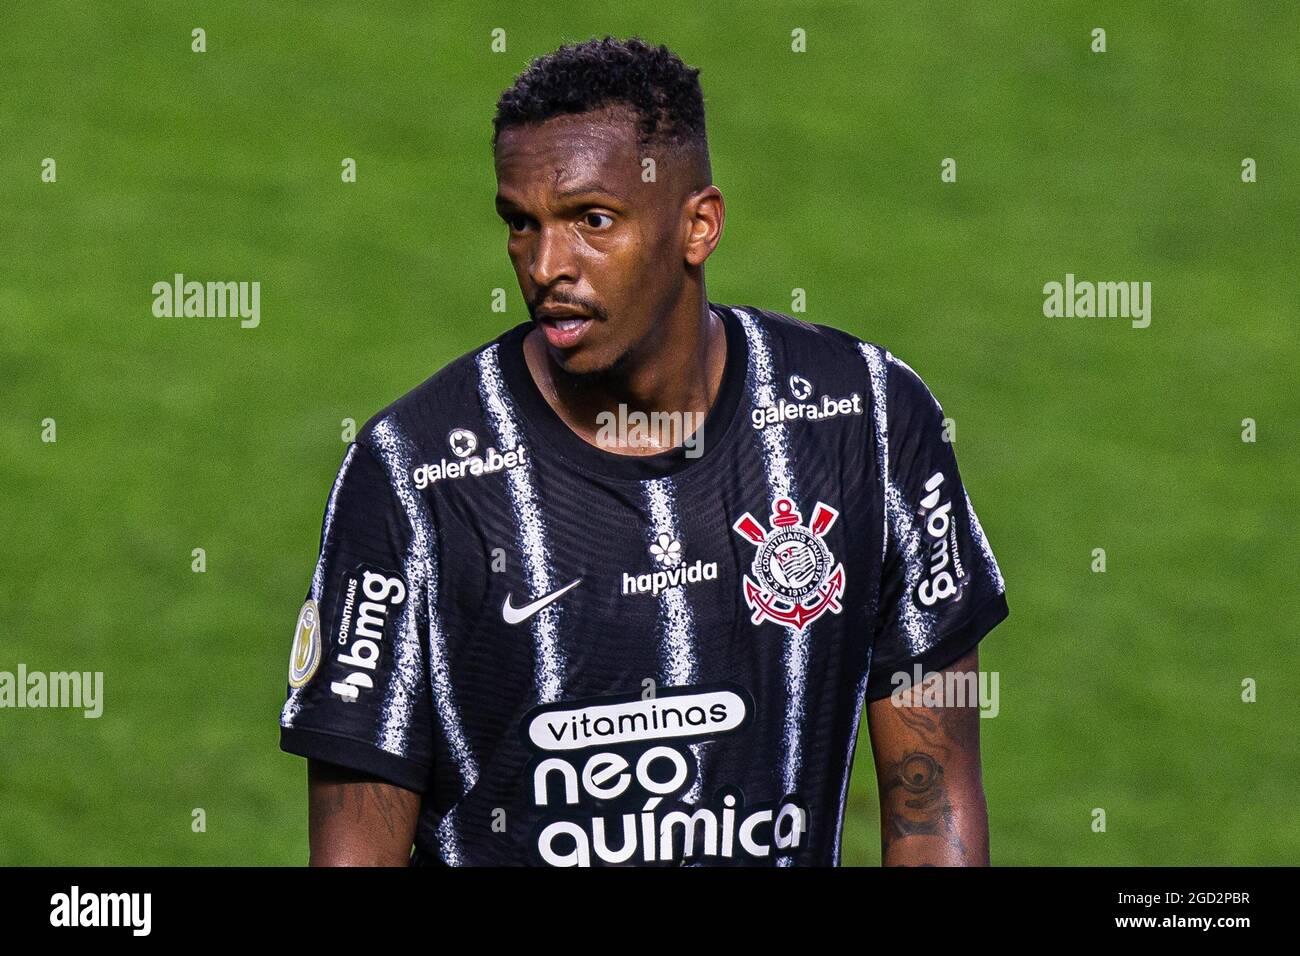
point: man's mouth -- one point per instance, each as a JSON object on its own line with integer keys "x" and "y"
{"x": 563, "y": 328}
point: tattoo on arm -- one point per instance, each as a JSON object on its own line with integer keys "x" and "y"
{"x": 917, "y": 797}
{"x": 352, "y": 801}
{"x": 914, "y": 796}
{"x": 354, "y": 818}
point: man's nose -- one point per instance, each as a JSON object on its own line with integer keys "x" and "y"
{"x": 552, "y": 258}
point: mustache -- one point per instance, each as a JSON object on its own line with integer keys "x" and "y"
{"x": 559, "y": 298}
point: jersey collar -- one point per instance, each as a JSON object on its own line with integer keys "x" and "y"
{"x": 559, "y": 438}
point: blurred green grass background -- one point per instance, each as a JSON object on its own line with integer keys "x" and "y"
{"x": 1118, "y": 690}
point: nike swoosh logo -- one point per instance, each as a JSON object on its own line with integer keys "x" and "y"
{"x": 517, "y": 615}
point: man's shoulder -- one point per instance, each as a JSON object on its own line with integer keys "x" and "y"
{"x": 447, "y": 399}
{"x": 792, "y": 334}
{"x": 796, "y": 345}
{"x": 790, "y": 341}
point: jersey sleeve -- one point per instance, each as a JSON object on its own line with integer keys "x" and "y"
{"x": 358, "y": 672}
{"x": 941, "y": 590}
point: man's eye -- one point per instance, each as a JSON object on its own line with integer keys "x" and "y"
{"x": 517, "y": 223}
{"x": 593, "y": 219}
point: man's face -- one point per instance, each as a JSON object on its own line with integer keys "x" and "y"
{"x": 597, "y": 251}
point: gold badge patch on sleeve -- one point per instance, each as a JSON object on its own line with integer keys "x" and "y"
{"x": 304, "y": 656}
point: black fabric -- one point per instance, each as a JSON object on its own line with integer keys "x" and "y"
{"x": 951, "y": 648}
{"x": 712, "y": 624}
{"x": 354, "y": 754}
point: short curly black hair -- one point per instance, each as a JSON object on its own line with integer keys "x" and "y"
{"x": 663, "y": 92}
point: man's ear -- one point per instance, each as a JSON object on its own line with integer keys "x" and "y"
{"x": 705, "y": 214}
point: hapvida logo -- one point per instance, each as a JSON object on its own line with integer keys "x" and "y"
{"x": 666, "y": 551}
{"x": 652, "y": 582}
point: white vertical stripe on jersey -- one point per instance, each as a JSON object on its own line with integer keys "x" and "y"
{"x": 550, "y": 660}
{"x": 679, "y": 663}
{"x": 421, "y": 570}
{"x": 406, "y": 679}
{"x": 990, "y": 563}
{"x": 880, "y": 424}
{"x": 294, "y": 703}
{"x": 780, "y": 483}
{"x": 395, "y": 449}
{"x": 679, "y": 660}
{"x": 776, "y": 441}
{"x": 448, "y": 839}
{"x": 917, "y": 625}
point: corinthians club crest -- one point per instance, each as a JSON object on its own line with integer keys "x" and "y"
{"x": 796, "y": 578}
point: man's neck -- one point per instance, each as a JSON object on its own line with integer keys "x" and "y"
{"x": 680, "y": 374}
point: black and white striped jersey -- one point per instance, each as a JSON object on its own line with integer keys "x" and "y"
{"x": 586, "y": 658}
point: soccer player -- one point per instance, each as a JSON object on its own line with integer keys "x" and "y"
{"x": 615, "y": 587}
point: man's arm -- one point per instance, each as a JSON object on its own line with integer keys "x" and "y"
{"x": 355, "y": 819}
{"x": 932, "y": 810}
